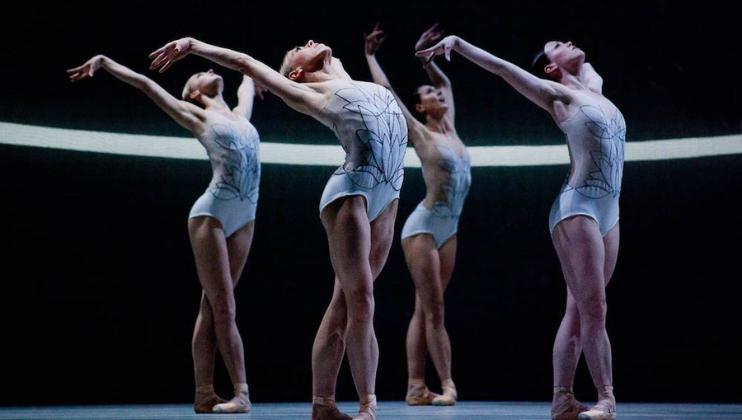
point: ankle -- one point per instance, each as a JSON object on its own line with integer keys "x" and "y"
{"x": 448, "y": 383}
{"x": 606, "y": 391}
{"x": 563, "y": 390}
{"x": 328, "y": 401}
{"x": 368, "y": 399}
{"x": 205, "y": 389}
{"x": 416, "y": 384}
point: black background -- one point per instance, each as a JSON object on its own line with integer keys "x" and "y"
{"x": 100, "y": 291}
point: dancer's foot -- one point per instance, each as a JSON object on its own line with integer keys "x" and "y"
{"x": 206, "y": 399}
{"x": 449, "y": 396}
{"x": 419, "y": 395}
{"x": 368, "y": 408}
{"x": 565, "y": 406}
{"x": 240, "y": 403}
{"x": 325, "y": 408}
{"x": 605, "y": 409}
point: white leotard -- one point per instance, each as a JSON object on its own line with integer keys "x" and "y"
{"x": 232, "y": 145}
{"x": 442, "y": 220}
{"x": 367, "y": 120}
{"x": 596, "y": 138}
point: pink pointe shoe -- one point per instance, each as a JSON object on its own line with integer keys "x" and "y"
{"x": 565, "y": 406}
{"x": 605, "y": 409}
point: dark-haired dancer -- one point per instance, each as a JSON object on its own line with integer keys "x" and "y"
{"x": 429, "y": 236}
{"x": 584, "y": 217}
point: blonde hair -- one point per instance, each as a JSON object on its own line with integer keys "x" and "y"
{"x": 286, "y": 66}
{"x": 187, "y": 89}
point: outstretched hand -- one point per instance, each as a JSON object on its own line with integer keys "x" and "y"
{"x": 428, "y": 37}
{"x": 86, "y": 70}
{"x": 172, "y": 51}
{"x": 374, "y": 40}
{"x": 444, "y": 48}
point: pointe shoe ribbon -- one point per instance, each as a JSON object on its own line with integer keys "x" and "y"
{"x": 565, "y": 405}
{"x": 240, "y": 403}
{"x": 206, "y": 398}
{"x": 326, "y": 408}
{"x": 605, "y": 409}
{"x": 368, "y": 408}
{"x": 449, "y": 396}
{"x": 420, "y": 395}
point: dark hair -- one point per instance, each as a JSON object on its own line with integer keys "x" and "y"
{"x": 540, "y": 61}
{"x": 413, "y": 99}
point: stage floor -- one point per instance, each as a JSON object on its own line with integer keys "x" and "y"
{"x": 388, "y": 410}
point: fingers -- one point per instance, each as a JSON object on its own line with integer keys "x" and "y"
{"x": 166, "y": 66}
{"x": 79, "y": 73}
{"x": 157, "y": 62}
{"x": 428, "y": 54}
{"x": 78, "y": 76}
{"x": 423, "y": 53}
{"x": 158, "y": 52}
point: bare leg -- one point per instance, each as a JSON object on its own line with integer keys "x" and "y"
{"x": 382, "y": 235}
{"x": 565, "y": 356}
{"x": 204, "y": 338}
{"x": 431, "y": 271}
{"x": 447, "y": 254}
{"x": 586, "y": 260}
{"x": 203, "y": 349}
{"x": 350, "y": 312}
{"x": 212, "y": 255}
{"x": 329, "y": 345}
{"x": 419, "y": 252}
{"x": 327, "y": 357}
{"x": 606, "y": 406}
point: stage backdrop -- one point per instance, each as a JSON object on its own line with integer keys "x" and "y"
{"x": 101, "y": 291}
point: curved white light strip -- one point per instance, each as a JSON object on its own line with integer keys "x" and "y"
{"x": 332, "y": 155}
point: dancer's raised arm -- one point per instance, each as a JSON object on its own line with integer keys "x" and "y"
{"x": 188, "y": 115}
{"x": 540, "y": 91}
{"x": 374, "y": 40}
{"x": 437, "y": 77}
{"x": 297, "y": 95}
{"x": 584, "y": 218}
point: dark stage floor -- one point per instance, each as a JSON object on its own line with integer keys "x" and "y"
{"x": 389, "y": 410}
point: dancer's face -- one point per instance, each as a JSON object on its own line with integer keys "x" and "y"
{"x": 432, "y": 100}
{"x": 564, "y": 54}
{"x": 310, "y": 57}
{"x": 208, "y": 83}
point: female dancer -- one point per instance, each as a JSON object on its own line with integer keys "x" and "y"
{"x": 429, "y": 236}
{"x": 584, "y": 217}
{"x": 221, "y": 222}
{"x": 358, "y": 206}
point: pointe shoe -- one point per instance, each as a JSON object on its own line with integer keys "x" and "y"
{"x": 605, "y": 409}
{"x": 420, "y": 395}
{"x": 449, "y": 396}
{"x": 565, "y": 406}
{"x": 325, "y": 408}
{"x": 368, "y": 408}
{"x": 206, "y": 399}
{"x": 240, "y": 403}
